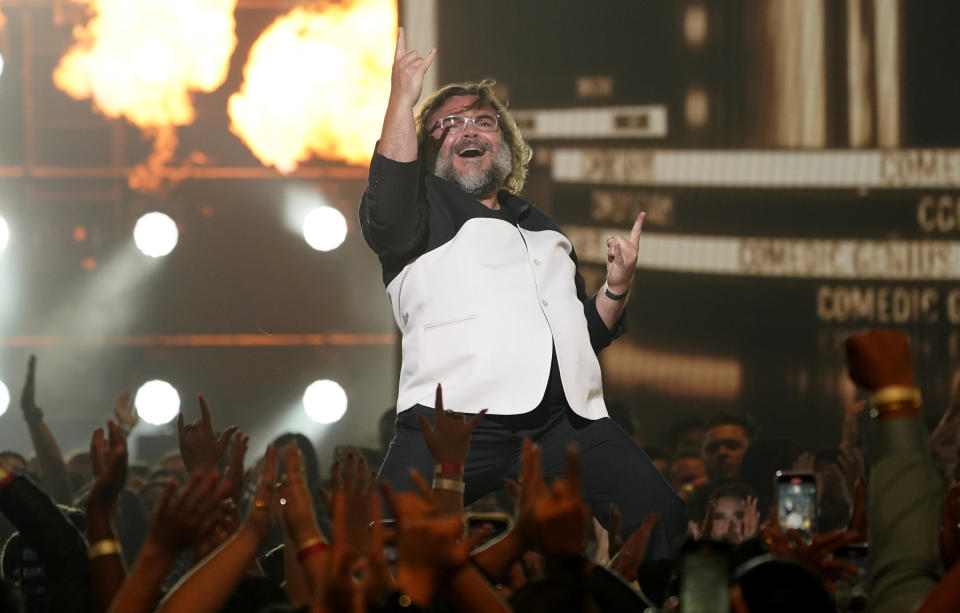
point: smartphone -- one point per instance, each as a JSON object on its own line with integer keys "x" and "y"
{"x": 34, "y": 585}
{"x": 499, "y": 524}
{"x": 797, "y": 501}
{"x": 705, "y": 578}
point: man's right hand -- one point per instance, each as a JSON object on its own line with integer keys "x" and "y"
{"x": 406, "y": 80}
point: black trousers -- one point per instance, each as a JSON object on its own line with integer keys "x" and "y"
{"x": 615, "y": 469}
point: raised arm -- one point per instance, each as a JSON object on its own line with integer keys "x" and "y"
{"x": 392, "y": 216}
{"x": 59, "y": 545}
{"x": 207, "y": 587}
{"x": 178, "y": 522}
{"x": 109, "y": 458}
{"x": 398, "y": 139}
{"x": 448, "y": 440}
{"x": 54, "y": 478}
{"x": 905, "y": 490}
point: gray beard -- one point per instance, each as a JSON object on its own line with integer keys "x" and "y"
{"x": 482, "y": 183}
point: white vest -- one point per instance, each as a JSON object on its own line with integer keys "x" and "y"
{"x": 480, "y": 313}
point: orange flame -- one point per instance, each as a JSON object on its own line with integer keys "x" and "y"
{"x": 316, "y": 83}
{"x": 143, "y": 59}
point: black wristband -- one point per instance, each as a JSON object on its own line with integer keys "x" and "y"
{"x": 611, "y": 295}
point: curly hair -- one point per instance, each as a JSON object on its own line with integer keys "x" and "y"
{"x": 521, "y": 153}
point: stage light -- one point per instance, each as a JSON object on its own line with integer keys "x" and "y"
{"x": 153, "y": 62}
{"x": 1, "y": 63}
{"x": 325, "y": 401}
{"x": 4, "y": 398}
{"x": 155, "y": 234}
{"x": 695, "y": 22}
{"x": 696, "y": 107}
{"x": 157, "y": 402}
{"x": 324, "y": 228}
{"x": 4, "y": 234}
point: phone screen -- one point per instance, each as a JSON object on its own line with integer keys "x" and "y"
{"x": 498, "y": 524}
{"x": 797, "y": 501}
{"x": 704, "y": 583}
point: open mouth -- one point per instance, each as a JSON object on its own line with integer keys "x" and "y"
{"x": 471, "y": 152}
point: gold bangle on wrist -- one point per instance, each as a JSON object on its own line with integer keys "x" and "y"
{"x": 449, "y": 484}
{"x": 896, "y": 393}
{"x": 895, "y": 398}
{"x": 103, "y": 547}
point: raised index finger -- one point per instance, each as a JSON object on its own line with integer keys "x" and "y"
{"x": 401, "y": 47}
{"x": 204, "y": 411}
{"x": 438, "y": 406}
{"x": 635, "y": 230}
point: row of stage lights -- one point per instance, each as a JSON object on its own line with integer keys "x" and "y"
{"x": 155, "y": 234}
{"x": 157, "y": 402}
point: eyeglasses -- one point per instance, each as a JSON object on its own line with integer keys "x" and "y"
{"x": 456, "y": 123}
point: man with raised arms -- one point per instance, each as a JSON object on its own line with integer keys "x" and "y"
{"x": 485, "y": 290}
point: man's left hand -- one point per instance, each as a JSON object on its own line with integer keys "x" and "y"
{"x": 622, "y": 258}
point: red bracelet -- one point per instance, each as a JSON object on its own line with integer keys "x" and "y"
{"x": 311, "y": 549}
{"x": 6, "y": 480}
{"x": 450, "y": 468}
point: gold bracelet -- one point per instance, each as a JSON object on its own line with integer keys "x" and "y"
{"x": 309, "y": 542}
{"x": 893, "y": 407}
{"x": 449, "y": 484}
{"x": 896, "y": 393}
{"x": 104, "y": 547}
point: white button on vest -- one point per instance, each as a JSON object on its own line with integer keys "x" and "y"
{"x": 536, "y": 262}
{"x": 543, "y": 302}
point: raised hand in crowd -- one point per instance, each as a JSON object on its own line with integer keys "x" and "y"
{"x": 556, "y": 517}
{"x": 852, "y": 467}
{"x": 305, "y": 559}
{"x": 57, "y": 543}
{"x": 432, "y": 549}
{"x": 53, "y": 470}
{"x": 208, "y": 586}
{"x": 200, "y": 447}
{"x": 816, "y": 554}
{"x": 108, "y": 457}
{"x": 179, "y": 521}
{"x": 634, "y": 550}
{"x": 125, "y": 413}
{"x": 905, "y": 490}
{"x": 880, "y": 358}
{"x": 352, "y": 480}
{"x": 225, "y": 521}
{"x": 704, "y": 530}
{"x": 448, "y": 440}
{"x": 233, "y": 476}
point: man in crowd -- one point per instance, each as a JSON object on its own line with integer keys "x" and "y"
{"x": 724, "y": 445}
{"x": 486, "y": 292}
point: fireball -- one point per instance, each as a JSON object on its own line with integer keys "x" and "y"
{"x": 316, "y": 84}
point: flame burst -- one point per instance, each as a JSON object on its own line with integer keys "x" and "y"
{"x": 316, "y": 83}
{"x": 143, "y": 59}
